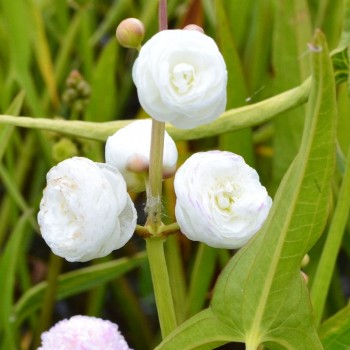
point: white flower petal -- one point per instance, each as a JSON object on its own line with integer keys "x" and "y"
{"x": 220, "y": 200}
{"x": 82, "y": 210}
{"x": 181, "y": 78}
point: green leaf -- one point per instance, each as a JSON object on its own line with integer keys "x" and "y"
{"x": 341, "y": 55}
{"x": 110, "y": 20}
{"x": 341, "y": 65}
{"x": 16, "y": 15}
{"x": 18, "y": 23}
{"x": 6, "y": 132}
{"x": 204, "y": 331}
{"x": 291, "y": 65}
{"x": 75, "y": 282}
{"x": 335, "y": 332}
{"x": 8, "y": 267}
{"x": 199, "y": 285}
{"x": 102, "y": 106}
{"x": 260, "y": 295}
{"x": 345, "y": 36}
{"x": 177, "y": 276}
{"x": 242, "y": 22}
{"x": 344, "y": 120}
{"x": 238, "y": 142}
{"x": 42, "y": 50}
{"x": 257, "y": 47}
{"x": 326, "y": 265}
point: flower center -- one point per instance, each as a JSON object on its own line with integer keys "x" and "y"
{"x": 183, "y": 77}
{"x": 226, "y": 196}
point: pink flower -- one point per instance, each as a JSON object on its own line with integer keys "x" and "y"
{"x": 83, "y": 333}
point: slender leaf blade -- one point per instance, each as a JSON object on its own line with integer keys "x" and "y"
{"x": 335, "y": 332}
{"x": 102, "y": 106}
{"x": 8, "y": 266}
{"x": 238, "y": 142}
{"x": 72, "y": 283}
{"x": 291, "y": 66}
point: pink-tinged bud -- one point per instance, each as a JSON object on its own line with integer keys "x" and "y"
{"x": 137, "y": 163}
{"x": 305, "y": 277}
{"x": 130, "y": 33}
{"x": 129, "y": 150}
{"x": 194, "y": 27}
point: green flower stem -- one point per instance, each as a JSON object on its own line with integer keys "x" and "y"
{"x": 154, "y": 190}
{"x": 166, "y": 230}
{"x": 163, "y": 230}
{"x": 161, "y": 285}
{"x": 231, "y": 120}
{"x": 163, "y": 15}
{"x": 154, "y": 244}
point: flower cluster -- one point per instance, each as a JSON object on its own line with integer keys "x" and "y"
{"x": 86, "y": 212}
{"x": 83, "y": 333}
{"x": 180, "y": 75}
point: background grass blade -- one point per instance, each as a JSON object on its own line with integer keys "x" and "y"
{"x": 72, "y": 283}
{"x": 8, "y": 263}
{"x": 325, "y": 269}
{"x": 335, "y": 332}
{"x": 291, "y": 65}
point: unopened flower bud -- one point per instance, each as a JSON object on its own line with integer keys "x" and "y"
{"x": 78, "y": 91}
{"x": 129, "y": 149}
{"x": 305, "y": 277}
{"x": 83, "y": 333}
{"x": 70, "y": 95}
{"x": 194, "y": 27}
{"x": 130, "y": 33}
{"x": 73, "y": 79}
{"x": 63, "y": 149}
{"x": 84, "y": 89}
{"x": 305, "y": 261}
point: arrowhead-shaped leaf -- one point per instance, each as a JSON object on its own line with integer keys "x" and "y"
{"x": 261, "y": 291}
{"x": 260, "y": 297}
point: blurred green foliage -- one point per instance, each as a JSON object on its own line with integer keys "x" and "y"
{"x": 266, "y": 45}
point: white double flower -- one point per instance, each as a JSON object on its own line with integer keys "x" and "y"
{"x": 85, "y": 212}
{"x": 181, "y": 78}
{"x": 220, "y": 200}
